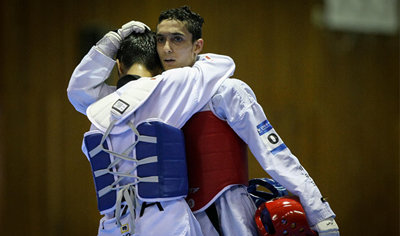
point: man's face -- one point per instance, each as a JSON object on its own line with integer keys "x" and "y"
{"x": 175, "y": 46}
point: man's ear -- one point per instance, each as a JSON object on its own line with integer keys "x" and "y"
{"x": 198, "y": 45}
{"x": 120, "y": 68}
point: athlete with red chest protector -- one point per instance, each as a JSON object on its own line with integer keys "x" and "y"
{"x": 222, "y": 206}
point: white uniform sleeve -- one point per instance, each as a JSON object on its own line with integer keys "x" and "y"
{"x": 87, "y": 81}
{"x": 236, "y": 103}
{"x": 184, "y": 91}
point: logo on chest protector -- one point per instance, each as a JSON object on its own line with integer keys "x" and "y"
{"x": 191, "y": 201}
{"x": 120, "y": 106}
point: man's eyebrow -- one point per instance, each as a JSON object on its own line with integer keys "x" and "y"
{"x": 173, "y": 34}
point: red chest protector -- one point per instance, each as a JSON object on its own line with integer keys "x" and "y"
{"x": 216, "y": 159}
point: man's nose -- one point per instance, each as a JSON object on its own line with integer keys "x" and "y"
{"x": 167, "y": 47}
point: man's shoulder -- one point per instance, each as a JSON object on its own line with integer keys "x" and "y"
{"x": 233, "y": 83}
{"x": 235, "y": 86}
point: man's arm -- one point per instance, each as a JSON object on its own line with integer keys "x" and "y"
{"x": 87, "y": 83}
{"x": 235, "y": 102}
{"x": 172, "y": 97}
{"x": 186, "y": 90}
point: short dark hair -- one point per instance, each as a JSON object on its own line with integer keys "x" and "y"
{"x": 140, "y": 48}
{"x": 194, "y": 22}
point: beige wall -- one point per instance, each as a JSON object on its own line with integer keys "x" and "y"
{"x": 333, "y": 97}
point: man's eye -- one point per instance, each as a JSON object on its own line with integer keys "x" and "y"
{"x": 178, "y": 39}
{"x": 160, "y": 40}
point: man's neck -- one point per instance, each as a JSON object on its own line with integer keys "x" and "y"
{"x": 139, "y": 69}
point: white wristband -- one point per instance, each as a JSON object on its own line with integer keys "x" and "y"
{"x": 327, "y": 227}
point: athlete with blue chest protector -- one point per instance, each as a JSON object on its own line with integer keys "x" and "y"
{"x": 135, "y": 145}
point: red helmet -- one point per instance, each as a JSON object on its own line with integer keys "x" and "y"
{"x": 282, "y": 216}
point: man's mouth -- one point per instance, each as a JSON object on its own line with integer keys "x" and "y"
{"x": 169, "y": 60}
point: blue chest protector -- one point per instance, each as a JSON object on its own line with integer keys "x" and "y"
{"x": 158, "y": 167}
{"x": 171, "y": 165}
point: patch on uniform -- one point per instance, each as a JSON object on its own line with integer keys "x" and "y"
{"x": 209, "y": 58}
{"x": 264, "y": 127}
{"x": 124, "y": 228}
{"x": 120, "y": 106}
{"x": 270, "y": 138}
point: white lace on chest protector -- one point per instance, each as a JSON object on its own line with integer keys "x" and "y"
{"x": 154, "y": 141}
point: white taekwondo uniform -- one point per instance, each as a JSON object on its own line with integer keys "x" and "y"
{"x": 170, "y": 98}
{"x": 236, "y": 103}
